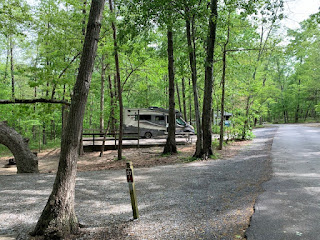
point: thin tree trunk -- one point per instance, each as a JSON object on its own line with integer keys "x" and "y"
{"x": 111, "y": 91}
{"x": 58, "y": 218}
{"x": 284, "y": 115}
{"x": 91, "y": 109}
{"x": 166, "y": 91}
{"x": 184, "y": 100}
{"x": 223, "y": 83}
{"x": 223, "y": 93}
{"x": 307, "y": 112}
{"x": 178, "y": 96}
{"x": 208, "y": 88}
{"x": 190, "y": 104}
{"x": 116, "y": 57}
{"x": 170, "y": 147}
{"x": 246, "y": 122}
{"x": 7, "y": 61}
{"x": 103, "y": 74}
{"x": 193, "y": 67}
{"x": 44, "y": 134}
{"x": 12, "y": 69}
{"x": 296, "y": 118}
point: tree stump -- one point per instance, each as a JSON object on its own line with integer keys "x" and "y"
{"x": 27, "y": 162}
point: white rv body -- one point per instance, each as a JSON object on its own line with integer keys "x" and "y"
{"x": 151, "y": 122}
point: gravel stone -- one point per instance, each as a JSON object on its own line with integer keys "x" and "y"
{"x": 211, "y": 199}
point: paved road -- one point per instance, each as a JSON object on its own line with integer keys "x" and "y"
{"x": 290, "y": 206}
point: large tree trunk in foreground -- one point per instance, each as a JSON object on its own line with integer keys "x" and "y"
{"x": 26, "y": 161}
{"x": 208, "y": 88}
{"x": 170, "y": 146}
{"x": 58, "y": 218}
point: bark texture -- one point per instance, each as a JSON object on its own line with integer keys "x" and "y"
{"x": 58, "y": 218}
{"x": 171, "y": 146}
{"x": 116, "y": 58}
{"x": 193, "y": 67}
{"x": 26, "y": 161}
{"x": 208, "y": 89}
{"x": 223, "y": 83}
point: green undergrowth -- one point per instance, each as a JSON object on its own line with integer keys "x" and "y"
{"x": 34, "y": 146}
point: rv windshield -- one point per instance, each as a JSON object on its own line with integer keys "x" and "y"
{"x": 180, "y": 121}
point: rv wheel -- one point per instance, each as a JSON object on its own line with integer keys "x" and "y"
{"x": 148, "y": 135}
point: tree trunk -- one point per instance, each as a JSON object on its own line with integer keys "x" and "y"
{"x": 208, "y": 88}
{"x": 116, "y": 57}
{"x": 170, "y": 147}
{"x": 193, "y": 67}
{"x": 178, "y": 96}
{"x": 52, "y": 130}
{"x": 222, "y": 97}
{"x": 12, "y": 70}
{"x": 84, "y": 13}
{"x": 190, "y": 104}
{"x": 26, "y": 161}
{"x": 223, "y": 83}
{"x": 284, "y": 115}
{"x": 58, "y": 218}
{"x": 184, "y": 100}
{"x": 296, "y": 117}
{"x": 7, "y": 61}
{"x": 44, "y": 133}
{"x": 246, "y": 122}
{"x": 103, "y": 73}
{"x": 111, "y": 118}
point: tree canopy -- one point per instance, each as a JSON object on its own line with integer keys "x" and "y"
{"x": 267, "y": 79}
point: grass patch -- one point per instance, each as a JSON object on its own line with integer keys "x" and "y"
{"x": 215, "y": 156}
{"x": 189, "y": 159}
{"x": 4, "y": 151}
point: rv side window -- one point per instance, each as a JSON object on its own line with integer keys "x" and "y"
{"x": 159, "y": 118}
{"x": 144, "y": 117}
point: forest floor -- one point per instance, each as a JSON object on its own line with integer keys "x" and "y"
{"x": 182, "y": 199}
{"x": 143, "y": 157}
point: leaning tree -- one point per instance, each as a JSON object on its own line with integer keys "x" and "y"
{"x": 58, "y": 219}
{"x": 26, "y": 161}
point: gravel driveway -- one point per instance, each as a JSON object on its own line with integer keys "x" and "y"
{"x": 199, "y": 200}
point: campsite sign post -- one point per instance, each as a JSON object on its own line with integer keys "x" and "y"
{"x": 130, "y": 180}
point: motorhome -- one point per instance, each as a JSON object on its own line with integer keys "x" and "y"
{"x": 152, "y": 122}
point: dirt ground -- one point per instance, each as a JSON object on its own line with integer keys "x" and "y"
{"x": 215, "y": 201}
{"x": 143, "y": 157}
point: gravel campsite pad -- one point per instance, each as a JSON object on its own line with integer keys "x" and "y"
{"x": 211, "y": 199}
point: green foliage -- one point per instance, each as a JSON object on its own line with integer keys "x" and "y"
{"x": 265, "y": 80}
{"x": 189, "y": 159}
